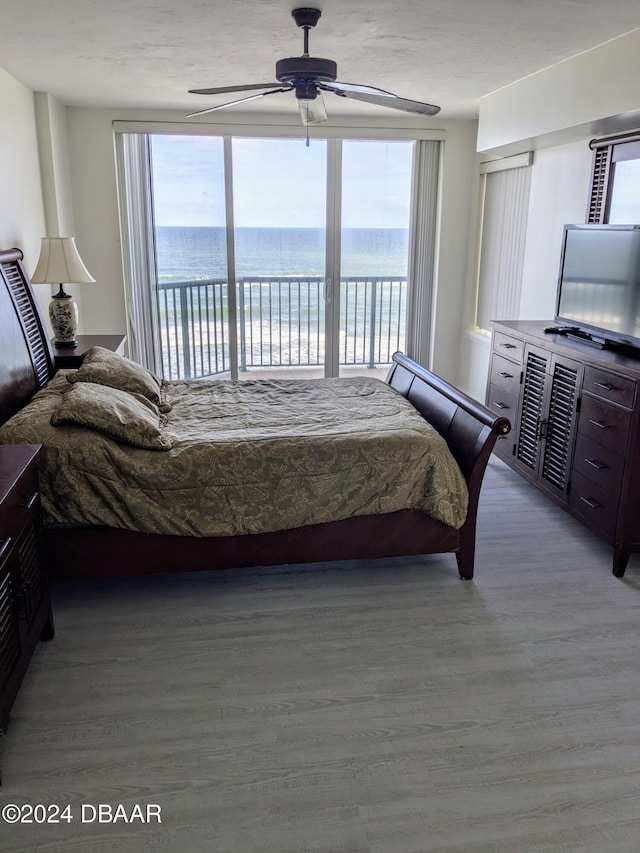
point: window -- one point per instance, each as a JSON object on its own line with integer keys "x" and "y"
{"x": 503, "y": 229}
{"x": 615, "y": 182}
{"x": 265, "y": 255}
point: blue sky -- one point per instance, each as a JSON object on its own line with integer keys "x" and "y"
{"x": 279, "y": 182}
{"x": 625, "y": 198}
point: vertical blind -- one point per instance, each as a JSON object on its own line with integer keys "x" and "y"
{"x": 502, "y": 244}
{"x": 422, "y": 244}
{"x": 136, "y": 228}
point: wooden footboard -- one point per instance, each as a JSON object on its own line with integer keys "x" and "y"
{"x": 469, "y": 428}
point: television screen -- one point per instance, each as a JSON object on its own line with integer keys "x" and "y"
{"x": 599, "y": 283}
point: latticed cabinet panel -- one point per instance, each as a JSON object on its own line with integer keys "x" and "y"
{"x": 32, "y": 585}
{"x": 547, "y": 418}
{"x": 25, "y": 607}
{"x": 10, "y": 633}
{"x": 532, "y": 410}
{"x": 561, "y": 425}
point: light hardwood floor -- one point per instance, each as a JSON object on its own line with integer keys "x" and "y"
{"x": 388, "y": 707}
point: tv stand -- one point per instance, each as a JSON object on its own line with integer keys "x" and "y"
{"x": 575, "y": 415}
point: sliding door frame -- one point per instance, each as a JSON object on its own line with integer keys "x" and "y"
{"x": 418, "y": 332}
{"x": 333, "y": 227}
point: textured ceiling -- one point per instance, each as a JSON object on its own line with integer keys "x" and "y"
{"x": 147, "y": 53}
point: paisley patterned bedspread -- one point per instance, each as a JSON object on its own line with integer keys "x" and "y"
{"x": 247, "y": 457}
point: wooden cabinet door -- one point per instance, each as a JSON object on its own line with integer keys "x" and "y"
{"x": 11, "y": 635}
{"x": 547, "y": 418}
{"x": 559, "y": 440}
{"x": 532, "y": 411}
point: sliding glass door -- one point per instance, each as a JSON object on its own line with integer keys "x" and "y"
{"x": 190, "y": 231}
{"x": 374, "y": 253}
{"x": 279, "y": 228}
{"x": 274, "y": 258}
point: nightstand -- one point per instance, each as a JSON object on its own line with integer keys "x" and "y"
{"x": 71, "y": 357}
{"x": 25, "y": 604}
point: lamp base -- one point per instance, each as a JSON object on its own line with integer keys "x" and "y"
{"x": 63, "y": 314}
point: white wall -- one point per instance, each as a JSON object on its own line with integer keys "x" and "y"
{"x": 53, "y": 147}
{"x": 95, "y": 203}
{"x": 459, "y": 188}
{"x": 559, "y": 192}
{"x": 22, "y": 211}
{"x": 593, "y": 93}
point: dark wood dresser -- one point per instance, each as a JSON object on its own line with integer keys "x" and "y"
{"x": 25, "y": 604}
{"x": 575, "y": 416}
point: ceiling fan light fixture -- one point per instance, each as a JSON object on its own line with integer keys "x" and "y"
{"x": 312, "y": 110}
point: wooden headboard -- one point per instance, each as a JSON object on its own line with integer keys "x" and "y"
{"x": 26, "y": 360}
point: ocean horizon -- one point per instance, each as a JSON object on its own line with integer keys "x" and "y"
{"x": 191, "y": 252}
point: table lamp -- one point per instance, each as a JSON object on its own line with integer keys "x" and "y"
{"x": 60, "y": 263}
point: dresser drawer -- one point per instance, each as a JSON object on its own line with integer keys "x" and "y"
{"x": 605, "y": 424}
{"x": 598, "y": 463}
{"x": 20, "y": 505}
{"x": 506, "y": 345}
{"x": 502, "y": 403}
{"x": 596, "y": 505}
{"x": 504, "y": 374}
{"x": 609, "y": 386}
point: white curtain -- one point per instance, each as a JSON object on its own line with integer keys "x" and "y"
{"x": 422, "y": 248}
{"x": 137, "y": 234}
{"x": 502, "y": 244}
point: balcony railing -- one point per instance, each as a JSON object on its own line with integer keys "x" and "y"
{"x": 280, "y": 323}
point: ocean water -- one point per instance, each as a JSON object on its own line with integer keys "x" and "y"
{"x": 192, "y": 253}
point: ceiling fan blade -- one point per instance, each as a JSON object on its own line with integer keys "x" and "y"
{"x": 355, "y": 87}
{"x": 312, "y": 110}
{"x": 221, "y": 90}
{"x": 239, "y": 101}
{"x": 370, "y": 95}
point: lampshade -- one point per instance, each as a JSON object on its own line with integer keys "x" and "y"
{"x": 60, "y": 262}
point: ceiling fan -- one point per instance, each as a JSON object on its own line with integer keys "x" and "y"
{"x": 309, "y": 77}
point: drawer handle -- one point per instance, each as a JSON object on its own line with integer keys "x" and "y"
{"x": 500, "y": 405}
{"x": 595, "y": 464}
{"x": 605, "y": 387}
{"x": 508, "y": 346}
{"x": 591, "y": 503}
{"x": 4, "y": 547}
{"x": 27, "y": 503}
{"x": 505, "y": 375}
{"x": 599, "y": 424}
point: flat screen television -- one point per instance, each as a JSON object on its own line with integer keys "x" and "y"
{"x": 599, "y": 283}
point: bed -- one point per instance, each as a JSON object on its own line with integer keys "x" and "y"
{"x": 230, "y": 515}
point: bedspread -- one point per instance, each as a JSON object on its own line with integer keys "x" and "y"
{"x": 247, "y": 457}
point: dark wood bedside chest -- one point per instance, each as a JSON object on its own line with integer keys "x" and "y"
{"x": 71, "y": 357}
{"x": 25, "y": 604}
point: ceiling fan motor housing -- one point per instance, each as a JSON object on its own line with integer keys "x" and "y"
{"x": 306, "y": 69}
